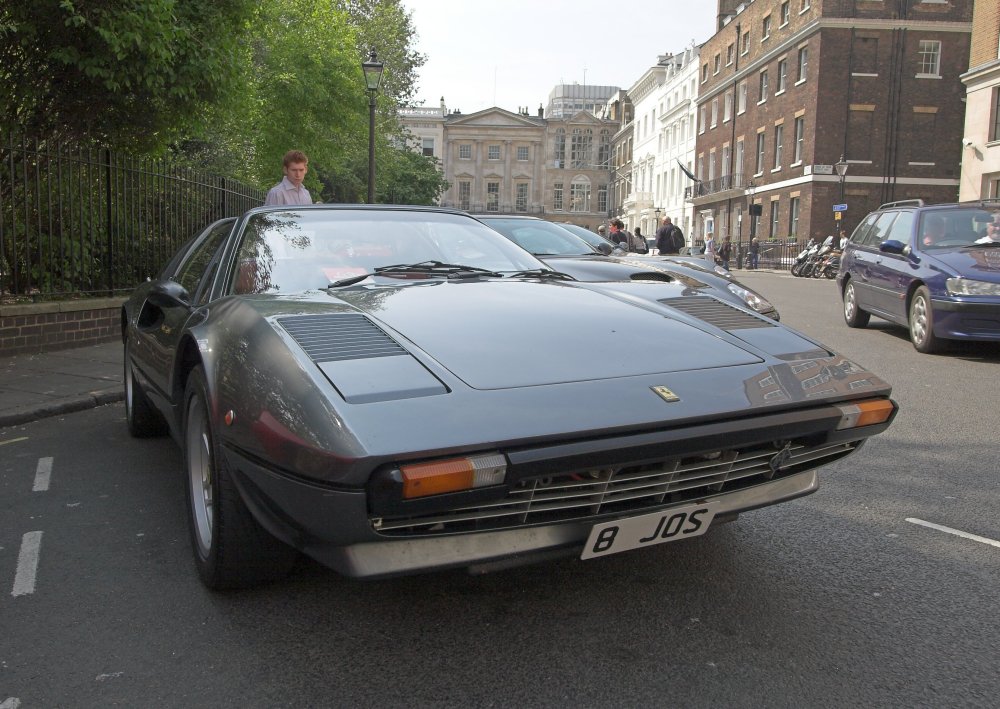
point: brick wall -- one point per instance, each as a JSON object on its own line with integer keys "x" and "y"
{"x": 40, "y": 327}
{"x": 985, "y": 33}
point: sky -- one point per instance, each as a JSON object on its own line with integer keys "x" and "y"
{"x": 511, "y": 53}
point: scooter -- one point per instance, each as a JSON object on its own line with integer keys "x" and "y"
{"x": 804, "y": 258}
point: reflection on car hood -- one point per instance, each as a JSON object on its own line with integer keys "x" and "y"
{"x": 503, "y": 334}
{"x": 979, "y": 262}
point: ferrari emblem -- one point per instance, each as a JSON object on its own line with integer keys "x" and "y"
{"x": 665, "y": 394}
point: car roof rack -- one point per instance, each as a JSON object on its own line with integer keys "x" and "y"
{"x": 903, "y": 203}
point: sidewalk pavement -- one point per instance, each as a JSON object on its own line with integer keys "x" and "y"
{"x": 34, "y": 386}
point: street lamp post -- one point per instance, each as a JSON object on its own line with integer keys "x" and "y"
{"x": 751, "y": 191}
{"x": 373, "y": 77}
{"x": 841, "y": 167}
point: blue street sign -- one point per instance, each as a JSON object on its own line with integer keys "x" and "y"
{"x": 840, "y": 207}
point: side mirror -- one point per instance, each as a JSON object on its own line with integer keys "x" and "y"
{"x": 892, "y": 247}
{"x": 605, "y": 248}
{"x": 169, "y": 294}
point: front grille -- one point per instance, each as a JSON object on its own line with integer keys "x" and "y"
{"x": 592, "y": 493}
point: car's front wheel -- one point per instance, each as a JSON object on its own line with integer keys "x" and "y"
{"x": 142, "y": 418}
{"x": 853, "y": 315}
{"x": 231, "y": 549}
{"x": 922, "y": 323}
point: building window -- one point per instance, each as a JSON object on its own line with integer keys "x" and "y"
{"x": 800, "y": 138}
{"x": 745, "y": 43}
{"x": 604, "y": 150}
{"x": 492, "y": 196}
{"x": 784, "y": 13}
{"x": 557, "y": 195}
{"x": 782, "y": 76}
{"x": 580, "y": 145}
{"x": 995, "y": 124}
{"x": 730, "y": 54}
{"x": 724, "y": 166}
{"x": 803, "y": 5}
{"x": 727, "y": 107}
{"x": 715, "y": 112}
{"x": 763, "y": 87}
{"x": 561, "y": 148}
{"x": 521, "y": 197}
{"x": 930, "y": 57}
{"x": 793, "y": 219}
{"x": 766, "y": 28}
{"x": 579, "y": 195}
{"x": 465, "y": 195}
{"x": 803, "y": 64}
{"x": 718, "y": 63}
{"x": 602, "y": 199}
{"x": 741, "y": 97}
{"x": 779, "y": 137}
{"x": 775, "y": 224}
{"x": 465, "y": 152}
{"x": 704, "y": 73}
{"x": 427, "y": 147}
{"x": 738, "y": 167}
{"x": 493, "y": 152}
{"x": 760, "y": 153}
{"x": 702, "y": 119}
{"x": 522, "y": 152}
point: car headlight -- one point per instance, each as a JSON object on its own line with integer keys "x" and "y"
{"x": 750, "y": 298}
{"x": 967, "y": 286}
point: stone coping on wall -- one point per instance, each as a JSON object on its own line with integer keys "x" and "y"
{"x": 59, "y": 306}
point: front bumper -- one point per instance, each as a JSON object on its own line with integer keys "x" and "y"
{"x": 333, "y": 526}
{"x": 967, "y": 319}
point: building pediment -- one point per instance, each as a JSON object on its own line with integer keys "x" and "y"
{"x": 494, "y": 117}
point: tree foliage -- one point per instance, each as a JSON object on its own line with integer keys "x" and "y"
{"x": 136, "y": 72}
{"x": 227, "y": 85}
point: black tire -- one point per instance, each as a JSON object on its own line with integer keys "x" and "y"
{"x": 853, "y": 315}
{"x": 797, "y": 269}
{"x": 231, "y": 549}
{"x": 143, "y": 420}
{"x": 830, "y": 272}
{"x": 921, "y": 323}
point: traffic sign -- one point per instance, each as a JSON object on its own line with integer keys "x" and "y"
{"x": 840, "y": 207}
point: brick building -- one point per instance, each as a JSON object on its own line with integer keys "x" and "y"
{"x": 789, "y": 87}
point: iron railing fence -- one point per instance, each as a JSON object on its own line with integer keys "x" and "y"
{"x": 90, "y": 220}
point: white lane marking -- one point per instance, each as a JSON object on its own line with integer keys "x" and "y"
{"x": 27, "y": 564}
{"x": 10, "y": 703}
{"x": 956, "y": 532}
{"x": 4, "y": 443}
{"x": 43, "y": 473}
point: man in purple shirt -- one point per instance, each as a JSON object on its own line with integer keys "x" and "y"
{"x": 290, "y": 189}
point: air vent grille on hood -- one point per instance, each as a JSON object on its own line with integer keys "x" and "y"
{"x": 717, "y": 313}
{"x": 330, "y": 338}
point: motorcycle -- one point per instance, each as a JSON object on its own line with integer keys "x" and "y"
{"x": 804, "y": 258}
{"x": 828, "y": 266}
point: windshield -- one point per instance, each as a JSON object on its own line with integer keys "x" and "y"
{"x": 540, "y": 237}
{"x": 306, "y": 249}
{"x": 945, "y": 228}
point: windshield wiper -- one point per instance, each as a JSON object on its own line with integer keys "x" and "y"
{"x": 427, "y": 268}
{"x": 542, "y": 273}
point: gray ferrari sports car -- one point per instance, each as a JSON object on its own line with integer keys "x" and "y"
{"x": 400, "y": 389}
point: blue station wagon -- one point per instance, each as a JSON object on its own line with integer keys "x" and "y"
{"x": 932, "y": 268}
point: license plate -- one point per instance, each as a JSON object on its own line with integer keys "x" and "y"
{"x": 647, "y": 530}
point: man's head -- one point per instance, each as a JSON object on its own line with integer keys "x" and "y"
{"x": 295, "y": 163}
{"x": 616, "y": 224}
{"x": 666, "y": 221}
{"x": 602, "y": 230}
{"x": 933, "y": 230}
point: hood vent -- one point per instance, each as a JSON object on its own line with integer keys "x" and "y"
{"x": 715, "y": 312}
{"x": 331, "y": 338}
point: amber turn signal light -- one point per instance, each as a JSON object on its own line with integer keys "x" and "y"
{"x": 452, "y": 475}
{"x": 865, "y": 413}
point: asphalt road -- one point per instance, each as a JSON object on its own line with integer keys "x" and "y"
{"x": 828, "y": 601}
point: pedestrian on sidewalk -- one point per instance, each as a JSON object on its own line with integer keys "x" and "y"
{"x": 754, "y": 253}
{"x": 290, "y": 190}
